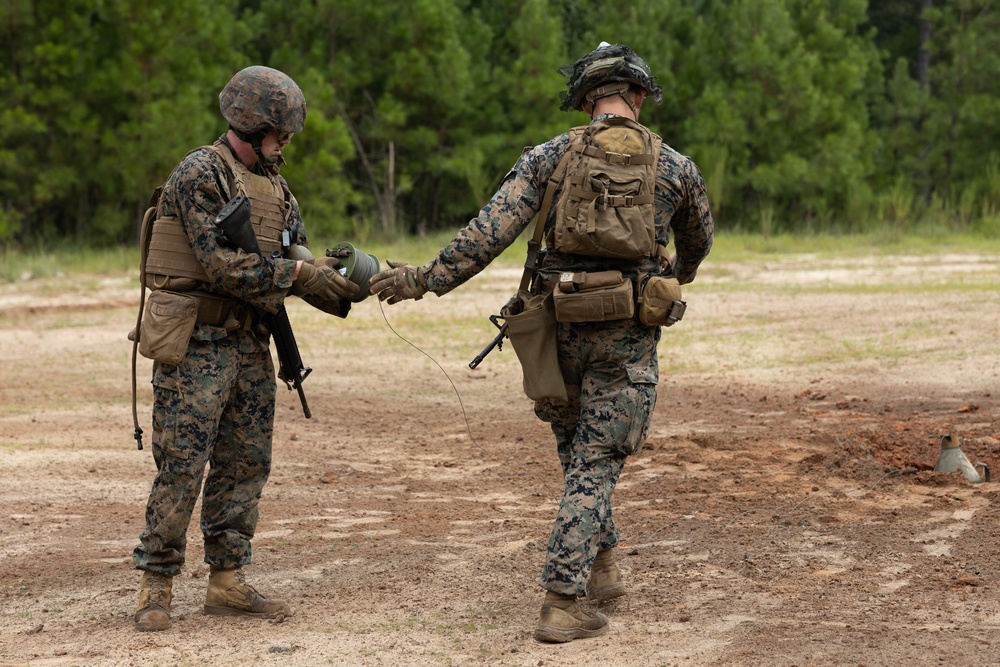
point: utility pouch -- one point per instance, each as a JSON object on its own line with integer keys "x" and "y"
{"x": 659, "y": 299}
{"x": 531, "y": 327}
{"x": 593, "y": 297}
{"x": 167, "y": 325}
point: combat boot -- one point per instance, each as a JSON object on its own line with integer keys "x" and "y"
{"x": 605, "y": 581}
{"x": 230, "y": 595}
{"x": 563, "y": 620}
{"x": 152, "y": 611}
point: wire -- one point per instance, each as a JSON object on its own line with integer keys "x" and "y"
{"x": 468, "y": 426}
{"x": 641, "y": 539}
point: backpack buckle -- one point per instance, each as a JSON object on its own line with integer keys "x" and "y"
{"x": 618, "y": 200}
{"x": 618, "y": 158}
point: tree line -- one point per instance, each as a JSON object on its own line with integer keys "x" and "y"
{"x": 803, "y": 115}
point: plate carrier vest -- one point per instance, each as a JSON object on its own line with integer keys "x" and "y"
{"x": 170, "y": 255}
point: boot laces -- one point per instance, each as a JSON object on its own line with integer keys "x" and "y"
{"x": 156, "y": 584}
{"x": 242, "y": 578}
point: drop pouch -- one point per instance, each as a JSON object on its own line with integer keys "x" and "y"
{"x": 659, "y": 300}
{"x": 531, "y": 328}
{"x": 167, "y": 325}
{"x": 596, "y": 296}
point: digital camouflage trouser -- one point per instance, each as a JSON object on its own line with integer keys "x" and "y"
{"x": 611, "y": 374}
{"x": 215, "y": 408}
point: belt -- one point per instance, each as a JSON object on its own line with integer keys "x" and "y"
{"x": 227, "y": 313}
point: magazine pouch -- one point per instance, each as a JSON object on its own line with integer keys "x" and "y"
{"x": 596, "y": 296}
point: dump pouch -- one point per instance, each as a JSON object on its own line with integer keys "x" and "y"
{"x": 531, "y": 327}
{"x": 659, "y": 299}
{"x": 596, "y": 296}
{"x": 167, "y": 325}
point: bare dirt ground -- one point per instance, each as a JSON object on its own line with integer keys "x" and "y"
{"x": 783, "y": 511}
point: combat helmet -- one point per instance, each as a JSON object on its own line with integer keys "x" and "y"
{"x": 595, "y": 75}
{"x": 258, "y": 99}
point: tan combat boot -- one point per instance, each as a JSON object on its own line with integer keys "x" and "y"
{"x": 152, "y": 611}
{"x": 605, "y": 581}
{"x": 563, "y": 620}
{"x": 230, "y": 595}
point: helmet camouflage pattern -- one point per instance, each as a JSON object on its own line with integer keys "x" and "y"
{"x": 259, "y": 98}
{"x": 607, "y": 63}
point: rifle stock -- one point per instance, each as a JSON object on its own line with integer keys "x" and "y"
{"x": 234, "y": 221}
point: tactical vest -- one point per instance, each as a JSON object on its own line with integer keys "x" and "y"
{"x": 606, "y": 207}
{"x": 170, "y": 261}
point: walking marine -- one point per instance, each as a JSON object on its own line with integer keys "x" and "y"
{"x": 587, "y": 318}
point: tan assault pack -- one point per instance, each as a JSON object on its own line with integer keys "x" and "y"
{"x": 606, "y": 207}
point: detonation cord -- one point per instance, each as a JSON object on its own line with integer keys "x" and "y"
{"x": 468, "y": 426}
{"x": 643, "y": 539}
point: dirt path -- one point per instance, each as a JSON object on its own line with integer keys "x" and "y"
{"x": 783, "y": 512}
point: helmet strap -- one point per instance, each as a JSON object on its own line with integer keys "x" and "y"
{"x": 616, "y": 88}
{"x": 256, "y": 140}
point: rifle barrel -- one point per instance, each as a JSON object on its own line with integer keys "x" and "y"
{"x": 496, "y": 342}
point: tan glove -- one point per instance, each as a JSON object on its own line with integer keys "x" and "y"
{"x": 332, "y": 262}
{"x": 400, "y": 281}
{"x": 323, "y": 280}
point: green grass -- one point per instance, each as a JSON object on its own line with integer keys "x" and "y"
{"x": 26, "y": 264}
{"x": 740, "y": 247}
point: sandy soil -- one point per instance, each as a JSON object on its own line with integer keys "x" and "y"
{"x": 784, "y": 511}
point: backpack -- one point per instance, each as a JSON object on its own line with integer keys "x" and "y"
{"x": 606, "y": 206}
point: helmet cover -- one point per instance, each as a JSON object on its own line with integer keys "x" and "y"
{"x": 260, "y": 98}
{"x": 606, "y": 63}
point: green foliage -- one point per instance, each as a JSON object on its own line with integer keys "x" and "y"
{"x": 804, "y": 115}
{"x": 786, "y": 122}
{"x": 101, "y": 98}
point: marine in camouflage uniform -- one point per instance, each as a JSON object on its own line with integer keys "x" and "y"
{"x": 216, "y": 407}
{"x": 610, "y": 368}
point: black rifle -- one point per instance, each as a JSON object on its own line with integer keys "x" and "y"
{"x": 495, "y": 343}
{"x": 234, "y": 221}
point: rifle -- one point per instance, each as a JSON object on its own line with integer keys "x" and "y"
{"x": 495, "y": 343}
{"x": 234, "y": 221}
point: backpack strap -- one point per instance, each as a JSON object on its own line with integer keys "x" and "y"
{"x": 614, "y": 158}
{"x": 534, "y": 245}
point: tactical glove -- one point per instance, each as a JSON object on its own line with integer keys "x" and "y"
{"x": 400, "y": 281}
{"x": 323, "y": 281}
{"x": 332, "y": 262}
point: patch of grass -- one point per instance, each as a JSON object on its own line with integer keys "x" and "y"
{"x": 732, "y": 247}
{"x": 65, "y": 260}
{"x": 829, "y": 350}
{"x": 28, "y": 264}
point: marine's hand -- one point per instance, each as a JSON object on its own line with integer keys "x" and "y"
{"x": 400, "y": 281}
{"x": 323, "y": 281}
{"x": 332, "y": 262}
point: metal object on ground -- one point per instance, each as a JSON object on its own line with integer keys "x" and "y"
{"x": 952, "y": 458}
